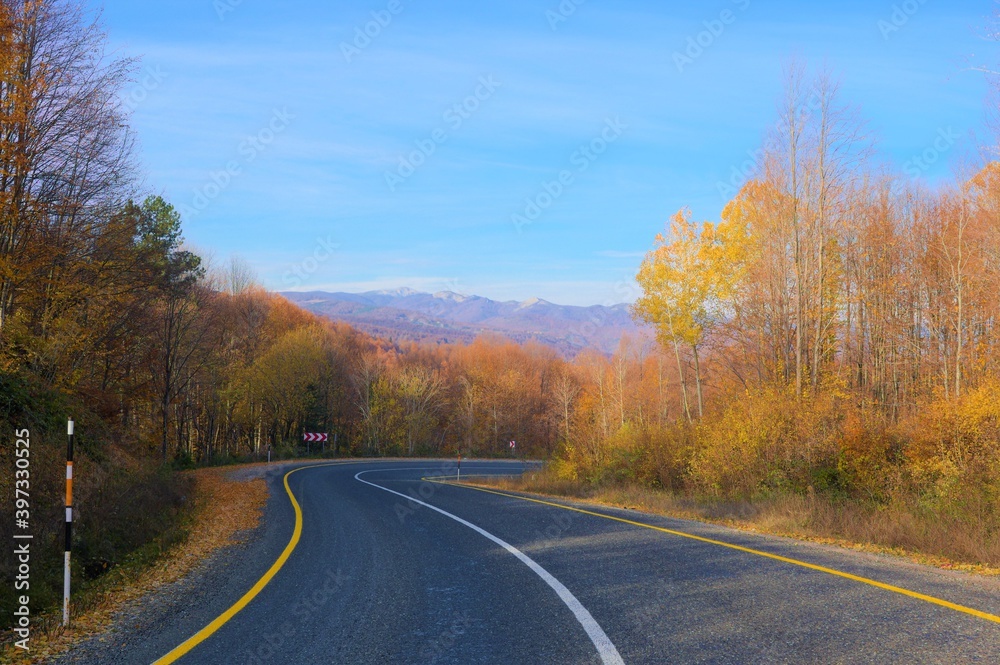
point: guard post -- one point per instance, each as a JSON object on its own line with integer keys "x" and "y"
{"x": 69, "y": 520}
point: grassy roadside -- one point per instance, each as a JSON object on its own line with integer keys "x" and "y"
{"x": 895, "y": 530}
{"x": 225, "y": 504}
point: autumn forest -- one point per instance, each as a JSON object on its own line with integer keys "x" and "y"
{"x": 831, "y": 339}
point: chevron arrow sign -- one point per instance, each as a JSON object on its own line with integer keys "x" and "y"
{"x": 314, "y": 436}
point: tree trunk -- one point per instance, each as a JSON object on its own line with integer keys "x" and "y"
{"x": 680, "y": 373}
{"x": 697, "y": 378}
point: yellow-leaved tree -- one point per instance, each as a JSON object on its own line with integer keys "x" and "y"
{"x": 689, "y": 280}
{"x": 674, "y": 295}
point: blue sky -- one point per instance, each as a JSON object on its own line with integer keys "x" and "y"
{"x": 275, "y": 140}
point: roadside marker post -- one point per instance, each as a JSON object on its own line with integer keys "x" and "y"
{"x": 459, "y": 465}
{"x": 69, "y": 520}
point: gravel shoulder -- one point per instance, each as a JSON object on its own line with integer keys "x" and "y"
{"x": 229, "y": 535}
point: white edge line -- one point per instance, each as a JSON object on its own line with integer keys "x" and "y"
{"x": 605, "y": 647}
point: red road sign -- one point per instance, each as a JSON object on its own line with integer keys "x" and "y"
{"x": 314, "y": 436}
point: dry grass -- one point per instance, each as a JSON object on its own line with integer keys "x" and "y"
{"x": 223, "y": 508}
{"x": 898, "y": 530}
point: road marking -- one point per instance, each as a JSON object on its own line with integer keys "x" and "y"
{"x": 605, "y": 648}
{"x": 777, "y": 557}
{"x": 221, "y": 620}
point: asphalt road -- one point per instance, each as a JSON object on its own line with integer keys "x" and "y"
{"x": 465, "y": 576}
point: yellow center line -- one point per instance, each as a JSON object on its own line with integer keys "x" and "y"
{"x": 823, "y": 569}
{"x": 221, "y": 620}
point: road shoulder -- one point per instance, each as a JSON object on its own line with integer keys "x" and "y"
{"x": 229, "y": 505}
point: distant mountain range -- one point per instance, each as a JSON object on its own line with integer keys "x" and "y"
{"x": 405, "y": 314}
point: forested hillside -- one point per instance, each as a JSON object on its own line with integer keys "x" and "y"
{"x": 833, "y": 336}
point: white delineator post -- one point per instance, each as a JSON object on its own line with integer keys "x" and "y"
{"x": 69, "y": 520}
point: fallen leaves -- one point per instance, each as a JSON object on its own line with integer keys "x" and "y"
{"x": 225, "y": 508}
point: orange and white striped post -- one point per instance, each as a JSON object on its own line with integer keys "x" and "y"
{"x": 69, "y": 520}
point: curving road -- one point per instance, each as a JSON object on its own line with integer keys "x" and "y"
{"x": 379, "y": 566}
